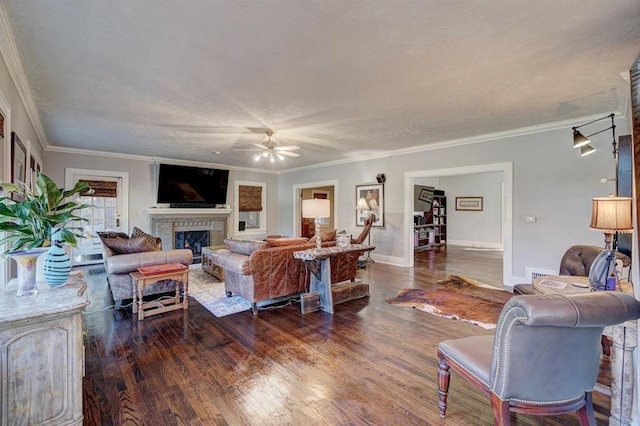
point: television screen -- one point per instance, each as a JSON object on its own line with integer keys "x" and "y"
{"x": 192, "y": 186}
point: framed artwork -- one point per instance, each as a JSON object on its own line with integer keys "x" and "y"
{"x": 472, "y": 204}
{"x": 370, "y": 199}
{"x": 18, "y": 159}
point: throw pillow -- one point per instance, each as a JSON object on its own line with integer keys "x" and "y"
{"x": 324, "y": 237}
{"x": 281, "y": 242}
{"x": 245, "y": 246}
{"x": 128, "y": 246}
{"x": 153, "y": 241}
{"x": 112, "y": 234}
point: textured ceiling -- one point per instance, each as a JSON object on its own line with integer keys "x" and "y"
{"x": 340, "y": 79}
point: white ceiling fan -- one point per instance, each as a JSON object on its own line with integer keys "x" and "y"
{"x": 270, "y": 150}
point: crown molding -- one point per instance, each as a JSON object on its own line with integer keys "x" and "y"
{"x": 523, "y": 131}
{"x": 151, "y": 159}
{"x": 9, "y": 52}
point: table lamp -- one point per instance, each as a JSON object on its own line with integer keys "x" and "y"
{"x": 316, "y": 209}
{"x": 611, "y": 215}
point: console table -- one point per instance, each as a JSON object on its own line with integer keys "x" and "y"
{"x": 625, "y": 340}
{"x": 318, "y": 262}
{"x": 42, "y": 355}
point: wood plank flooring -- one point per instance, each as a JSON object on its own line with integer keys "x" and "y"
{"x": 370, "y": 363}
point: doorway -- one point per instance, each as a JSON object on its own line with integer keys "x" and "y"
{"x": 323, "y": 189}
{"x": 507, "y": 208}
{"x": 110, "y": 211}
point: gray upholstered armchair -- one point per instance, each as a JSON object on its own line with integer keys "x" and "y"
{"x": 544, "y": 357}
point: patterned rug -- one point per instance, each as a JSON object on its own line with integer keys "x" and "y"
{"x": 457, "y": 297}
{"x": 209, "y": 292}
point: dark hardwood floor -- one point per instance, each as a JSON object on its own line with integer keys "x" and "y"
{"x": 369, "y": 363}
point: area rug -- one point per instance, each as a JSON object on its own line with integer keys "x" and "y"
{"x": 209, "y": 292}
{"x": 457, "y": 297}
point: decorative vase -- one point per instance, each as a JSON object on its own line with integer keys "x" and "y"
{"x": 57, "y": 264}
{"x": 26, "y": 262}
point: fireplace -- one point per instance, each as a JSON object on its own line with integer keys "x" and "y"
{"x": 192, "y": 240}
{"x": 190, "y": 228}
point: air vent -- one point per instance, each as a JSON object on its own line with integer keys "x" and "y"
{"x": 533, "y": 273}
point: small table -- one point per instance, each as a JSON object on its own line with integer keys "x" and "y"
{"x": 173, "y": 271}
{"x": 318, "y": 261}
{"x": 625, "y": 340}
{"x": 209, "y": 261}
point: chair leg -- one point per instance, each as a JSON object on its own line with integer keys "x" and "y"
{"x": 443, "y": 383}
{"x": 500, "y": 411}
{"x": 586, "y": 414}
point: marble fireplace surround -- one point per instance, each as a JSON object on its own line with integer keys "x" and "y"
{"x": 165, "y": 222}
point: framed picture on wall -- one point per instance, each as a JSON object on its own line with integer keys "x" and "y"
{"x": 18, "y": 159}
{"x": 370, "y": 200}
{"x": 472, "y": 204}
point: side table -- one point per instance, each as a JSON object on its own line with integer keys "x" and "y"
{"x": 625, "y": 340}
{"x": 319, "y": 263}
{"x": 209, "y": 261}
{"x": 154, "y": 307}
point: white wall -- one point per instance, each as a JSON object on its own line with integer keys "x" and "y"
{"x": 474, "y": 228}
{"x": 551, "y": 182}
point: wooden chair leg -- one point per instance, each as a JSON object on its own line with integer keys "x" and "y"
{"x": 443, "y": 384}
{"x": 500, "y": 411}
{"x": 585, "y": 414}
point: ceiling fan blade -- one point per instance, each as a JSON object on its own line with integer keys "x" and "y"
{"x": 289, "y": 154}
{"x": 287, "y": 148}
{"x": 245, "y": 149}
{"x": 260, "y": 145}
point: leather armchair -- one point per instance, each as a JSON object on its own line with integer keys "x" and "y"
{"x": 544, "y": 357}
{"x": 576, "y": 261}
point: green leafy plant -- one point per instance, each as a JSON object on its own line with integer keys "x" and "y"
{"x": 29, "y": 216}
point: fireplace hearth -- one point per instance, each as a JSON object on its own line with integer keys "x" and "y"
{"x": 194, "y": 241}
{"x": 190, "y": 228}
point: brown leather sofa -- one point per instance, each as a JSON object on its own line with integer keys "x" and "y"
{"x": 119, "y": 266}
{"x": 256, "y": 271}
{"x": 576, "y": 261}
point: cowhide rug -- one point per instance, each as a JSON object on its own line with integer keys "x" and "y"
{"x": 457, "y": 297}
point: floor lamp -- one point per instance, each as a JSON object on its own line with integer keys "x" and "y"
{"x": 316, "y": 209}
{"x": 362, "y": 207}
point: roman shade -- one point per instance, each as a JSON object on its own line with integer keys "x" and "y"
{"x": 249, "y": 198}
{"x": 101, "y": 188}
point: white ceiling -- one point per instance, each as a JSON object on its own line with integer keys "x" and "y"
{"x": 339, "y": 78}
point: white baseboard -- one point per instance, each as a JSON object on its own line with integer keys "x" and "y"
{"x": 478, "y": 244}
{"x": 389, "y": 260}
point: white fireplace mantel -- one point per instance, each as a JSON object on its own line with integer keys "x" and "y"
{"x": 165, "y": 222}
{"x": 184, "y": 212}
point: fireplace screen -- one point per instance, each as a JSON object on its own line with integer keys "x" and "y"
{"x": 194, "y": 241}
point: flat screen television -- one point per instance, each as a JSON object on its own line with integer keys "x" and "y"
{"x": 185, "y": 186}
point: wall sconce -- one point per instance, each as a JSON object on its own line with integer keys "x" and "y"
{"x": 581, "y": 141}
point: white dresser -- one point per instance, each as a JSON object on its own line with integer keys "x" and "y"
{"x": 42, "y": 355}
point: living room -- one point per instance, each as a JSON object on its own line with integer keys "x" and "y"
{"x": 544, "y": 178}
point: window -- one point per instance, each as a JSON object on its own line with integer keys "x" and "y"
{"x": 251, "y": 217}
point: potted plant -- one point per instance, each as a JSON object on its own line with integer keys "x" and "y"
{"x": 29, "y": 217}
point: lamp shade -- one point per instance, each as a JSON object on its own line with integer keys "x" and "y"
{"x": 316, "y": 208}
{"x": 611, "y": 215}
{"x": 579, "y": 139}
{"x": 362, "y": 204}
{"x": 586, "y": 150}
